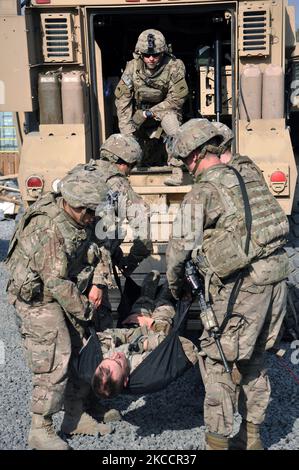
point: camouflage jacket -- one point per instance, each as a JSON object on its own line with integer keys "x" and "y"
{"x": 203, "y": 226}
{"x": 47, "y": 255}
{"x": 161, "y": 91}
{"x": 131, "y": 208}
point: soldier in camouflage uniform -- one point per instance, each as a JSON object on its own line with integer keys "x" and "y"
{"x": 245, "y": 166}
{"x": 244, "y": 276}
{"x": 118, "y": 155}
{"x": 154, "y": 316}
{"x": 150, "y": 98}
{"x": 46, "y": 256}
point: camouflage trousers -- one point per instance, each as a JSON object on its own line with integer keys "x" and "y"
{"x": 48, "y": 349}
{"x": 257, "y": 318}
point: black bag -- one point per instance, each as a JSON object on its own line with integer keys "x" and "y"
{"x": 85, "y": 363}
{"x": 129, "y": 295}
{"x": 164, "y": 364}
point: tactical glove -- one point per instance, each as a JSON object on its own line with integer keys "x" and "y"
{"x": 138, "y": 118}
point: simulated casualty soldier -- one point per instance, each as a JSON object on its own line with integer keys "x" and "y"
{"x": 150, "y": 98}
{"x": 46, "y": 256}
{"x": 123, "y": 350}
{"x": 237, "y": 246}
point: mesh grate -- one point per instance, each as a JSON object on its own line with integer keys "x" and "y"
{"x": 57, "y": 38}
{"x": 255, "y": 35}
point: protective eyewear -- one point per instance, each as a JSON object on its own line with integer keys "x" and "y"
{"x": 147, "y": 56}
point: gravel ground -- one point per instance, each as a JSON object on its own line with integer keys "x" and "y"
{"x": 168, "y": 420}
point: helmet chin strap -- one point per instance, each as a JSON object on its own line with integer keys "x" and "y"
{"x": 201, "y": 156}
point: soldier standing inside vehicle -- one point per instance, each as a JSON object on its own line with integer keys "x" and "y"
{"x": 150, "y": 98}
{"x": 240, "y": 255}
{"x": 47, "y": 253}
{"x": 118, "y": 155}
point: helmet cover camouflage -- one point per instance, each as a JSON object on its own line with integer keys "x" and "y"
{"x": 78, "y": 190}
{"x": 226, "y": 133}
{"x": 151, "y": 41}
{"x": 121, "y": 146}
{"x": 193, "y": 134}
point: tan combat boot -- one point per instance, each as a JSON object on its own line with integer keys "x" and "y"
{"x": 176, "y": 179}
{"x": 42, "y": 435}
{"x": 75, "y": 421}
{"x": 248, "y": 438}
{"x": 216, "y": 441}
{"x": 94, "y": 407}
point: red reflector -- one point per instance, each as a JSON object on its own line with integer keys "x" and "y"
{"x": 34, "y": 182}
{"x": 278, "y": 177}
{"x": 42, "y": 2}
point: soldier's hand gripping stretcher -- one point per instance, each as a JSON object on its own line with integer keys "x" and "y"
{"x": 207, "y": 315}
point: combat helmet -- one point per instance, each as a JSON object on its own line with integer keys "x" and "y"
{"x": 226, "y": 133}
{"x": 120, "y": 146}
{"x": 78, "y": 190}
{"x": 193, "y": 134}
{"x": 151, "y": 41}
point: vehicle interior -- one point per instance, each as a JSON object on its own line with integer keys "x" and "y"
{"x": 201, "y": 37}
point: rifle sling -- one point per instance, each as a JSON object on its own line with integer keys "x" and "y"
{"x": 248, "y": 223}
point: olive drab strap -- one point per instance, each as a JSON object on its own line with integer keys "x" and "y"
{"x": 247, "y": 209}
{"x": 39, "y": 208}
{"x": 248, "y": 222}
{"x": 223, "y": 247}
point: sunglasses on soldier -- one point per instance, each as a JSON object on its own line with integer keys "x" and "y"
{"x": 155, "y": 54}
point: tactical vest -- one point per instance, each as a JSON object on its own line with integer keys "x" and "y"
{"x": 26, "y": 282}
{"x": 223, "y": 245}
{"x": 151, "y": 89}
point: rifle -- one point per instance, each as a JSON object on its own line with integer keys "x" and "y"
{"x": 207, "y": 315}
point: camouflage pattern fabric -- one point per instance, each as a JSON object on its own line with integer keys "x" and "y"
{"x": 216, "y": 201}
{"x": 48, "y": 349}
{"x": 162, "y": 91}
{"x": 258, "y": 315}
{"x": 136, "y": 212}
{"x": 259, "y": 308}
{"x": 193, "y": 134}
{"x": 131, "y": 208}
{"x": 151, "y": 41}
{"x": 120, "y": 146}
{"x": 46, "y": 255}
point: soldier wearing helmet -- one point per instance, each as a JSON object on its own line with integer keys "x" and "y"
{"x": 238, "y": 250}
{"x": 150, "y": 98}
{"x": 118, "y": 155}
{"x": 47, "y": 255}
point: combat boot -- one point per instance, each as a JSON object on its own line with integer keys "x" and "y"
{"x": 216, "y": 441}
{"x": 176, "y": 179}
{"x": 85, "y": 425}
{"x": 248, "y": 438}
{"x": 95, "y": 408}
{"x": 76, "y": 421}
{"x": 42, "y": 435}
